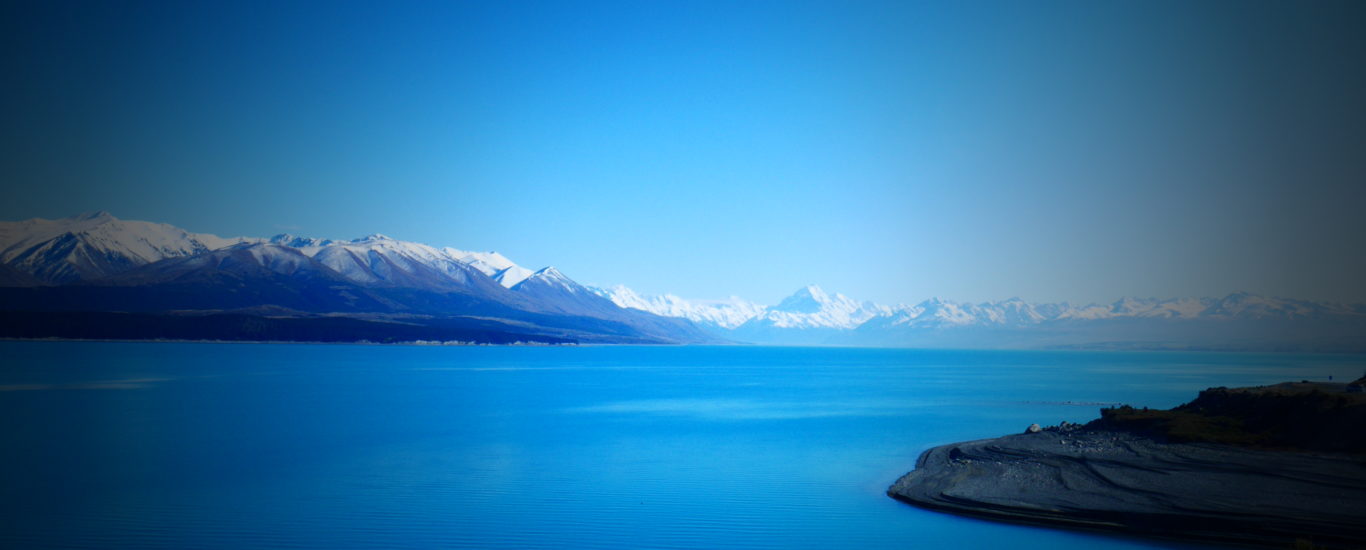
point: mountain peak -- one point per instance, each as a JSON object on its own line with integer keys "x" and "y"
{"x": 810, "y": 293}
{"x": 94, "y": 244}
{"x": 287, "y": 239}
{"x": 813, "y": 307}
{"x": 722, "y": 314}
{"x": 808, "y": 299}
{"x": 546, "y": 275}
{"x": 549, "y": 272}
{"x": 98, "y": 215}
{"x": 549, "y": 277}
{"x": 492, "y": 259}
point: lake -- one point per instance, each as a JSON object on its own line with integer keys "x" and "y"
{"x": 178, "y": 445}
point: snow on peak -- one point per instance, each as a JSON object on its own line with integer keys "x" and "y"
{"x": 494, "y": 265}
{"x": 937, "y": 313}
{"x": 494, "y": 259}
{"x": 93, "y": 245}
{"x": 280, "y": 259}
{"x": 810, "y": 299}
{"x": 1251, "y": 306}
{"x": 512, "y": 275}
{"x": 812, "y": 307}
{"x": 726, "y": 314}
{"x": 815, "y": 292}
{"x": 623, "y": 296}
{"x": 549, "y": 273}
{"x": 294, "y": 241}
{"x": 549, "y": 277}
{"x": 373, "y": 237}
{"x": 96, "y": 244}
{"x": 378, "y": 258}
{"x": 98, "y": 215}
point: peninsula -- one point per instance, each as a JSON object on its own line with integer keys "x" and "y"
{"x": 1276, "y": 466}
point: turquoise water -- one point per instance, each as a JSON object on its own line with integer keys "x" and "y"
{"x": 168, "y": 445}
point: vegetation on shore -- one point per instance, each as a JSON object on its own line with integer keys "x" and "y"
{"x": 1307, "y": 416}
{"x": 1277, "y": 466}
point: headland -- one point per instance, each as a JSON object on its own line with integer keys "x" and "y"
{"x": 1275, "y": 466}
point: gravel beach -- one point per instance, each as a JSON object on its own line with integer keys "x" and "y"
{"x": 1081, "y": 477}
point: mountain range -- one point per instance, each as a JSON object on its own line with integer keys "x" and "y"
{"x": 94, "y": 275}
{"x": 71, "y": 268}
{"x": 1238, "y": 321}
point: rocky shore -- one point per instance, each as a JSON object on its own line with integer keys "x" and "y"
{"x": 1109, "y": 475}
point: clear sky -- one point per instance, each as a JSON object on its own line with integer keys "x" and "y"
{"x": 890, "y": 151}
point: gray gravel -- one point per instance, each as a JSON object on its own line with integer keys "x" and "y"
{"x": 1092, "y": 479}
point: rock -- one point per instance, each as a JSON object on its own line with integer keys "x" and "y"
{"x": 1272, "y": 466}
{"x": 1130, "y": 483}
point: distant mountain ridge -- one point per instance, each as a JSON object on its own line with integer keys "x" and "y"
{"x": 94, "y": 245}
{"x": 811, "y": 306}
{"x": 1240, "y": 320}
{"x": 96, "y": 262}
{"x": 723, "y": 314}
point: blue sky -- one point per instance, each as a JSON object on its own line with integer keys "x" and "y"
{"x": 891, "y": 151}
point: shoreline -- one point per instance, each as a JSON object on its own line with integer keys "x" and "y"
{"x": 1119, "y": 482}
{"x": 307, "y": 342}
{"x": 674, "y": 344}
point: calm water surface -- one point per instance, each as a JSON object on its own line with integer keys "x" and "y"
{"x": 302, "y": 446}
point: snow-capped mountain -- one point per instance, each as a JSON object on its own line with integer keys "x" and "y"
{"x": 494, "y": 265}
{"x": 94, "y": 245}
{"x": 1250, "y": 306}
{"x": 1180, "y": 308}
{"x": 293, "y": 241}
{"x": 97, "y": 245}
{"x": 812, "y": 316}
{"x": 553, "y": 291}
{"x": 812, "y": 307}
{"x": 720, "y": 314}
{"x": 549, "y": 277}
{"x": 241, "y": 258}
{"x": 809, "y": 308}
{"x": 808, "y": 316}
{"x": 1237, "y": 321}
{"x": 96, "y": 262}
{"x": 245, "y": 276}
{"x": 937, "y": 313}
{"x": 378, "y": 259}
